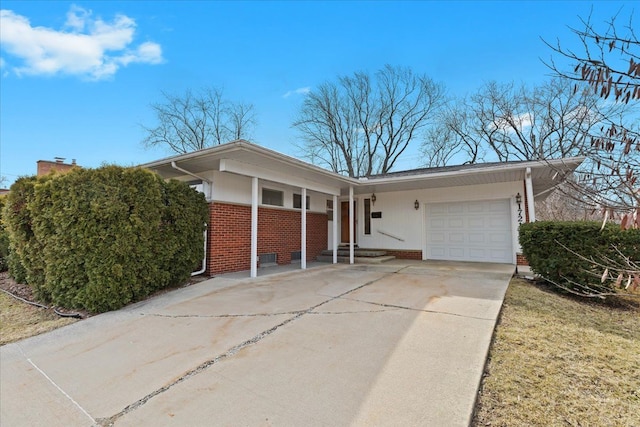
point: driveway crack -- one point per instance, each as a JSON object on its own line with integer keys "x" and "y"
{"x": 229, "y": 353}
{"x": 416, "y": 309}
{"x": 214, "y": 316}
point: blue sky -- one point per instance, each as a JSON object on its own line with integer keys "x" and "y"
{"x": 77, "y": 78}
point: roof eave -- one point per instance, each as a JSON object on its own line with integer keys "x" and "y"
{"x": 573, "y": 162}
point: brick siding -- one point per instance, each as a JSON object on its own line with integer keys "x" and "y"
{"x": 278, "y": 232}
{"x": 408, "y": 254}
{"x": 45, "y": 166}
{"x": 521, "y": 260}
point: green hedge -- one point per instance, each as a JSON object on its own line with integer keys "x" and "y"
{"x": 541, "y": 246}
{"x": 25, "y": 260}
{"x": 4, "y": 239}
{"x": 99, "y": 239}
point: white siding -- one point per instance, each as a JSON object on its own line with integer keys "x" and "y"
{"x": 232, "y": 188}
{"x": 401, "y": 219}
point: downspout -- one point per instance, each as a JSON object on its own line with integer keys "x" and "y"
{"x": 204, "y": 257}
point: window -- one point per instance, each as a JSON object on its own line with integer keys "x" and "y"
{"x": 297, "y": 201}
{"x": 367, "y": 216}
{"x": 330, "y": 209}
{"x": 272, "y": 197}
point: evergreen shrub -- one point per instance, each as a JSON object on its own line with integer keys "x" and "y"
{"x": 106, "y": 237}
{"x": 542, "y": 244}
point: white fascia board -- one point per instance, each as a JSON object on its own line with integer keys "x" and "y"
{"x": 572, "y": 163}
{"x": 240, "y": 168}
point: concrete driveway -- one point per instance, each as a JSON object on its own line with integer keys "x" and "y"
{"x": 402, "y": 343}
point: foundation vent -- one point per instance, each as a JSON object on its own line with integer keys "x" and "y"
{"x": 268, "y": 259}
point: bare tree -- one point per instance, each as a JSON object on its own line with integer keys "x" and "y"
{"x": 360, "y": 124}
{"x": 609, "y": 61}
{"x": 520, "y": 123}
{"x": 439, "y": 146}
{"x": 565, "y": 204}
{"x": 609, "y": 64}
{"x": 191, "y": 122}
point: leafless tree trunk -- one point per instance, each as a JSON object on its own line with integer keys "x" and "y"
{"x": 360, "y": 125}
{"x": 191, "y": 122}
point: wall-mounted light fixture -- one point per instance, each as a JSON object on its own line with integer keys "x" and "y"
{"x": 519, "y": 202}
{"x": 416, "y": 204}
{"x": 373, "y": 198}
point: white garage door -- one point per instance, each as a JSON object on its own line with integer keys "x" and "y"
{"x": 470, "y": 231}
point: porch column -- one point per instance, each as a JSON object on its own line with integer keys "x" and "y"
{"x": 303, "y": 235}
{"x": 351, "y": 230}
{"x": 254, "y": 227}
{"x": 335, "y": 229}
{"x": 530, "y": 202}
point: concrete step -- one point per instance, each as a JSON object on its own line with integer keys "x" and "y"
{"x": 356, "y": 260}
{"x": 361, "y": 253}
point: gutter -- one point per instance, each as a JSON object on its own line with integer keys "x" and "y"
{"x": 569, "y": 162}
{"x": 176, "y": 167}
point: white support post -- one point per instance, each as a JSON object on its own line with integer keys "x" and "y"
{"x": 335, "y": 229}
{"x": 351, "y": 230}
{"x": 254, "y": 227}
{"x": 530, "y": 202}
{"x": 303, "y": 234}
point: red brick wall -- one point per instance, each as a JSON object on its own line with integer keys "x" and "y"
{"x": 278, "y": 232}
{"x": 521, "y": 260}
{"x": 229, "y": 238}
{"x": 409, "y": 254}
{"x": 45, "y": 166}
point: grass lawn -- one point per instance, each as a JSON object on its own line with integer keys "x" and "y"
{"x": 19, "y": 320}
{"x": 557, "y": 361}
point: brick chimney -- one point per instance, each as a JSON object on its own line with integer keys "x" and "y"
{"x": 46, "y": 166}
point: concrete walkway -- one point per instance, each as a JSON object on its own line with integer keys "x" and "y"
{"x": 402, "y": 343}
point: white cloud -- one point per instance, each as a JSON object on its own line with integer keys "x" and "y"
{"x": 85, "y": 47}
{"x": 300, "y": 91}
{"x": 520, "y": 122}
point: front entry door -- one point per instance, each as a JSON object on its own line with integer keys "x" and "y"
{"x": 344, "y": 222}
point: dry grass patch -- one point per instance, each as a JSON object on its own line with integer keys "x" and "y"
{"x": 19, "y": 320}
{"x": 556, "y": 361}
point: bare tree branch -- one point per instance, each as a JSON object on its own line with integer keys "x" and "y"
{"x": 360, "y": 124}
{"x": 191, "y": 122}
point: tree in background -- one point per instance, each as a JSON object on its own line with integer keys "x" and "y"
{"x": 550, "y": 121}
{"x": 193, "y": 121}
{"x": 360, "y": 124}
{"x": 510, "y": 122}
{"x": 609, "y": 65}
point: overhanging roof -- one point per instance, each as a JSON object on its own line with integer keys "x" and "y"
{"x": 545, "y": 174}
